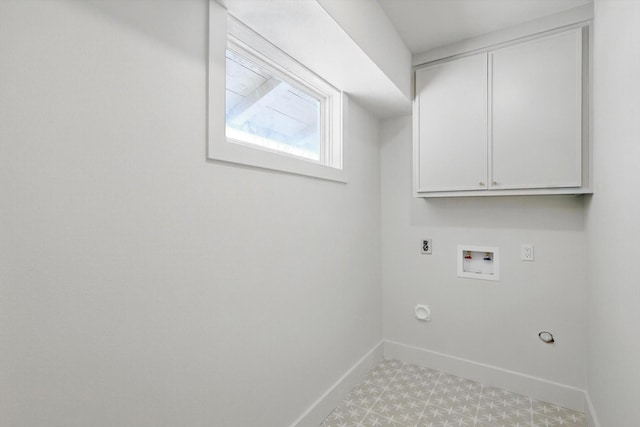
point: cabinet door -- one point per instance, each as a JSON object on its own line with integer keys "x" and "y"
{"x": 451, "y": 114}
{"x": 536, "y": 110}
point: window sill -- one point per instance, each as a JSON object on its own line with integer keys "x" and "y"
{"x": 220, "y": 149}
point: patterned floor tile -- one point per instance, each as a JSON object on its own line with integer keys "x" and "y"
{"x": 435, "y": 416}
{"x": 394, "y": 394}
{"x": 547, "y": 415}
{"x": 521, "y": 415}
{"x": 506, "y": 397}
{"x": 344, "y": 416}
{"x": 392, "y": 402}
{"x": 388, "y": 367}
{"x": 498, "y": 423}
{"x": 467, "y": 410}
{"x": 500, "y": 415}
{"x": 364, "y": 396}
{"x": 423, "y": 387}
{"x": 392, "y": 420}
{"x": 454, "y": 396}
{"x": 505, "y": 404}
{"x": 375, "y": 381}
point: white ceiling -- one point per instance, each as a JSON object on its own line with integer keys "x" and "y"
{"x": 426, "y": 24}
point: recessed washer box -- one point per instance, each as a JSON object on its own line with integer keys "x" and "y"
{"x": 479, "y": 262}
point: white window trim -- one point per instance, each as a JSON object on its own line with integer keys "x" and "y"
{"x": 222, "y": 149}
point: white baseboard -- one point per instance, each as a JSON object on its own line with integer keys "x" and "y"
{"x": 590, "y": 412}
{"x": 331, "y": 398}
{"x": 537, "y": 388}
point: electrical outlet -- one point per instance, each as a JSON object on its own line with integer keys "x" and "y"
{"x": 426, "y": 246}
{"x": 526, "y": 253}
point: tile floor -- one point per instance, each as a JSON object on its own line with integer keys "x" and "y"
{"x": 404, "y": 395}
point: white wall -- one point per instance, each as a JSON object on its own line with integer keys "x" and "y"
{"x": 141, "y": 285}
{"x": 494, "y": 323}
{"x": 612, "y": 222}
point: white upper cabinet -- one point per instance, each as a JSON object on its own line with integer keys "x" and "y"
{"x": 504, "y": 121}
{"x": 452, "y": 125}
{"x": 536, "y": 113}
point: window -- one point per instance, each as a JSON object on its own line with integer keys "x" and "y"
{"x": 263, "y": 109}
{"x": 277, "y": 113}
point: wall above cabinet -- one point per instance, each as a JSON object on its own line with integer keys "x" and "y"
{"x": 511, "y": 119}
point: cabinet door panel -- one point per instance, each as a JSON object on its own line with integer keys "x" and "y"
{"x": 452, "y": 125}
{"x": 536, "y": 113}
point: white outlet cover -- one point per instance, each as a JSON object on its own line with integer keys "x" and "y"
{"x": 526, "y": 253}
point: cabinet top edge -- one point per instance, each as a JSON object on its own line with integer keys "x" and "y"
{"x": 574, "y": 18}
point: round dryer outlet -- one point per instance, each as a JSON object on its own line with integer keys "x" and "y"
{"x": 423, "y": 312}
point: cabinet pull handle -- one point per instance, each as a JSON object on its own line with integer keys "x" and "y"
{"x": 481, "y": 184}
{"x": 494, "y": 182}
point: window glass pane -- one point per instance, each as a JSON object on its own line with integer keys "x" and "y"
{"x": 263, "y": 110}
